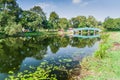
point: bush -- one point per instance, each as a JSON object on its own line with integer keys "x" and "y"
{"x": 103, "y": 47}
{"x": 13, "y": 29}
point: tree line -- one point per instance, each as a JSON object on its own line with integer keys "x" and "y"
{"x": 13, "y": 19}
{"x": 112, "y": 24}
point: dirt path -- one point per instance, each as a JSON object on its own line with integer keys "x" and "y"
{"x": 116, "y": 46}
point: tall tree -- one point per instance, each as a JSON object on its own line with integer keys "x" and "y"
{"x": 108, "y": 24}
{"x": 38, "y": 10}
{"x": 91, "y": 22}
{"x": 3, "y": 20}
{"x": 74, "y": 22}
{"x": 54, "y": 19}
{"x": 10, "y": 7}
{"x": 63, "y": 23}
{"x": 31, "y": 21}
{"x": 111, "y": 24}
{"x": 82, "y": 21}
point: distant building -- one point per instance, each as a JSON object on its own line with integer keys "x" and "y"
{"x": 25, "y": 30}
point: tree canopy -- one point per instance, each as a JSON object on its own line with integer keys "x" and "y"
{"x": 54, "y": 19}
{"x": 112, "y": 24}
{"x": 13, "y": 20}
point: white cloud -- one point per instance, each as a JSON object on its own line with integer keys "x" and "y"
{"x": 45, "y": 5}
{"x": 76, "y": 1}
{"x": 84, "y": 4}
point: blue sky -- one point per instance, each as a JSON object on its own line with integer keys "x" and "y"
{"x": 100, "y": 9}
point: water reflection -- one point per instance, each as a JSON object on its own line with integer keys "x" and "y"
{"x": 17, "y": 53}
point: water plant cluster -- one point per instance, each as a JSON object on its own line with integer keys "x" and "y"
{"x": 47, "y": 71}
{"x": 39, "y": 74}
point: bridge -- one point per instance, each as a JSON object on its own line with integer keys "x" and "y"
{"x": 90, "y": 36}
{"x": 79, "y": 32}
{"x": 86, "y": 28}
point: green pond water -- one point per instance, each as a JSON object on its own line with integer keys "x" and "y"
{"x": 19, "y": 53}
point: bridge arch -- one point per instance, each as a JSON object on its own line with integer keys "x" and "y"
{"x": 80, "y": 30}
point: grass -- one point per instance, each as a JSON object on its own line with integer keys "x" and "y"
{"x": 35, "y": 33}
{"x": 107, "y": 68}
{"x": 115, "y": 36}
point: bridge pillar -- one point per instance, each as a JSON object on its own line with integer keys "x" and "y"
{"x": 88, "y": 32}
{"x": 94, "y": 32}
{"x": 81, "y": 32}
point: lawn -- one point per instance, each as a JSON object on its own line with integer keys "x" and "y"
{"x": 107, "y": 68}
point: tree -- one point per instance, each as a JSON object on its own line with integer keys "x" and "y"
{"x": 38, "y": 10}
{"x": 117, "y": 24}
{"x": 31, "y": 20}
{"x": 74, "y": 22}
{"x": 12, "y": 27}
{"x": 91, "y": 22}
{"x": 9, "y": 15}
{"x": 79, "y": 21}
{"x": 63, "y": 23}
{"x": 53, "y": 19}
{"x": 82, "y": 21}
{"x": 108, "y": 24}
{"x": 11, "y": 8}
{"x": 111, "y": 24}
{"x": 3, "y": 20}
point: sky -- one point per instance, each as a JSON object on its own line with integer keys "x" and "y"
{"x": 100, "y": 9}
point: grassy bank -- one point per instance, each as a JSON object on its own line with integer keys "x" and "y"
{"x": 106, "y": 68}
{"x": 42, "y": 33}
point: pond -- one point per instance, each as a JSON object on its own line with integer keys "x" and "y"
{"x": 19, "y": 53}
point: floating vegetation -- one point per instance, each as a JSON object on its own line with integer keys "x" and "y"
{"x": 43, "y": 63}
{"x": 39, "y": 74}
{"x": 65, "y": 60}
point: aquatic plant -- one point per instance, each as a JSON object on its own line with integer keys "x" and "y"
{"x": 39, "y": 74}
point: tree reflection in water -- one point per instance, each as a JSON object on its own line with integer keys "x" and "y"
{"x": 14, "y": 50}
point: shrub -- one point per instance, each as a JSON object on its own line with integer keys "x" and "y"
{"x": 103, "y": 47}
{"x": 13, "y": 29}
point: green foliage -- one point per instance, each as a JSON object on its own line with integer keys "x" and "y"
{"x": 39, "y": 74}
{"x": 3, "y": 20}
{"x": 9, "y": 17}
{"x": 103, "y": 47}
{"x": 41, "y": 16}
{"x": 82, "y": 21}
{"x": 63, "y": 23}
{"x": 91, "y": 22}
{"x": 103, "y": 69}
{"x": 13, "y": 29}
{"x": 35, "y": 19}
{"x": 10, "y": 7}
{"x": 53, "y": 20}
{"x": 31, "y": 20}
{"x": 74, "y": 22}
{"x": 38, "y": 10}
{"x": 112, "y": 24}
